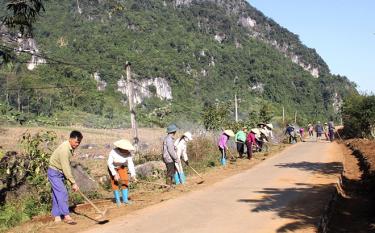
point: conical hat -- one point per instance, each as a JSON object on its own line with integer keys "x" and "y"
{"x": 255, "y": 130}
{"x": 188, "y": 135}
{"x": 263, "y": 131}
{"x": 229, "y": 132}
{"x": 269, "y": 125}
{"x": 124, "y": 144}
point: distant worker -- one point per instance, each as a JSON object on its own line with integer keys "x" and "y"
{"x": 289, "y": 131}
{"x": 302, "y": 134}
{"x": 262, "y": 140}
{"x": 310, "y": 128}
{"x": 325, "y": 131}
{"x": 319, "y": 131}
{"x": 181, "y": 150}
{"x": 59, "y": 170}
{"x": 222, "y": 144}
{"x": 240, "y": 139}
{"x": 119, "y": 162}
{"x": 269, "y": 128}
{"x": 331, "y": 130}
{"x": 169, "y": 154}
{"x": 251, "y": 142}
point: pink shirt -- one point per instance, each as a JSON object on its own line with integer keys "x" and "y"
{"x": 251, "y": 138}
{"x": 223, "y": 141}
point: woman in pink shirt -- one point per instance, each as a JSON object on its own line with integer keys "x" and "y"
{"x": 250, "y": 141}
{"x": 222, "y": 144}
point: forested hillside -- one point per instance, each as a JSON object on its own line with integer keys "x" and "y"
{"x": 207, "y": 51}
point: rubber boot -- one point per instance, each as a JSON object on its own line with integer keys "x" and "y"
{"x": 222, "y": 161}
{"x": 125, "y": 196}
{"x": 116, "y": 193}
{"x": 177, "y": 178}
{"x": 183, "y": 178}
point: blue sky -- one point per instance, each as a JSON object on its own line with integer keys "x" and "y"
{"x": 341, "y": 31}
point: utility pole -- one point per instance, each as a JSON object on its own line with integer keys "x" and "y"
{"x": 295, "y": 117}
{"x": 131, "y": 105}
{"x": 236, "y": 106}
{"x": 283, "y": 115}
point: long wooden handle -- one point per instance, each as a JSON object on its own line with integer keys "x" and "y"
{"x": 195, "y": 171}
{"x": 91, "y": 203}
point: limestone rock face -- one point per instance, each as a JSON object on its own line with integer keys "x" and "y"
{"x": 158, "y": 87}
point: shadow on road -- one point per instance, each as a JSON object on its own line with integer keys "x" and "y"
{"x": 323, "y": 168}
{"x": 302, "y": 204}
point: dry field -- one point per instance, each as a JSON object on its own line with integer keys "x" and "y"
{"x": 149, "y": 137}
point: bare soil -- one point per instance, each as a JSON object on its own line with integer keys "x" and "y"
{"x": 354, "y": 209}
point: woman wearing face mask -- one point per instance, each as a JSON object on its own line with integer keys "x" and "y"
{"x": 181, "y": 151}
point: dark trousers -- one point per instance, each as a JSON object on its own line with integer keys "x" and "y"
{"x": 249, "y": 146}
{"x": 331, "y": 135}
{"x": 240, "y": 148}
{"x": 171, "y": 170}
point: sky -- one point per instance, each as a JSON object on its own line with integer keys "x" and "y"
{"x": 341, "y": 31}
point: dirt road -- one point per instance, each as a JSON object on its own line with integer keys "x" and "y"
{"x": 286, "y": 193}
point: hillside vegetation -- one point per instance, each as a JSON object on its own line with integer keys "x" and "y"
{"x": 174, "y": 40}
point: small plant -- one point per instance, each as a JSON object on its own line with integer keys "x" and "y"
{"x": 30, "y": 171}
{"x": 11, "y": 214}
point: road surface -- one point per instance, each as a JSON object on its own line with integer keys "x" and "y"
{"x": 285, "y": 193}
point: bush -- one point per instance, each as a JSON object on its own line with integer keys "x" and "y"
{"x": 27, "y": 172}
{"x": 203, "y": 152}
{"x": 358, "y": 114}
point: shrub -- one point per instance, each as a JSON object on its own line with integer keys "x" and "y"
{"x": 359, "y": 116}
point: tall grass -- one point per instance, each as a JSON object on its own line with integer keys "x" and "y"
{"x": 203, "y": 152}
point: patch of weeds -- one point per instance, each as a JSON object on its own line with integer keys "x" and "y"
{"x": 11, "y": 214}
{"x": 211, "y": 163}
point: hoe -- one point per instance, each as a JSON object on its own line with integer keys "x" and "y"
{"x": 102, "y": 214}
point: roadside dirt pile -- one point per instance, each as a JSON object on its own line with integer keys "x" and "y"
{"x": 353, "y": 211}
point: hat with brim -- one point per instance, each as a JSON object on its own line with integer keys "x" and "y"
{"x": 263, "y": 131}
{"x": 260, "y": 124}
{"x": 188, "y": 136}
{"x": 255, "y": 130}
{"x": 229, "y": 132}
{"x": 269, "y": 126}
{"x": 171, "y": 128}
{"x": 124, "y": 144}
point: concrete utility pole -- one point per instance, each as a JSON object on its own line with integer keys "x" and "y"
{"x": 295, "y": 117}
{"x": 283, "y": 115}
{"x": 131, "y": 105}
{"x": 236, "y": 106}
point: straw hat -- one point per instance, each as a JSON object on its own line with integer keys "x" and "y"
{"x": 263, "y": 131}
{"x": 229, "y": 132}
{"x": 260, "y": 124}
{"x": 188, "y": 135}
{"x": 124, "y": 144}
{"x": 255, "y": 130}
{"x": 269, "y": 125}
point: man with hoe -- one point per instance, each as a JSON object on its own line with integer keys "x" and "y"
{"x": 59, "y": 169}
